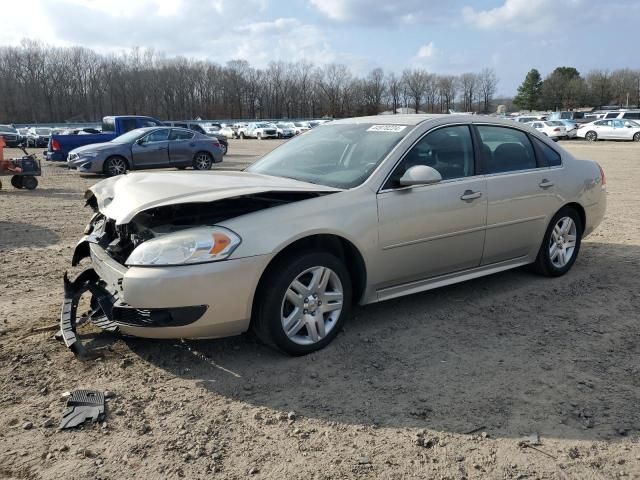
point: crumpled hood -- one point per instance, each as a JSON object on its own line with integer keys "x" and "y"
{"x": 122, "y": 197}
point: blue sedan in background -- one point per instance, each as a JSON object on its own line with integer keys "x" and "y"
{"x": 150, "y": 147}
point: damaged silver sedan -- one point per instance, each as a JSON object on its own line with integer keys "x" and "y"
{"x": 355, "y": 211}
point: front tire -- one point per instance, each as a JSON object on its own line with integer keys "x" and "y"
{"x": 303, "y": 302}
{"x": 591, "y": 136}
{"x": 561, "y": 244}
{"x": 202, "y": 161}
{"x": 115, "y": 166}
{"x": 636, "y": 137}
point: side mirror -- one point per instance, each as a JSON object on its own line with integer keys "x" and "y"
{"x": 420, "y": 175}
{"x": 140, "y": 141}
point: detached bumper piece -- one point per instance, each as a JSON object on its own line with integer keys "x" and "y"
{"x": 101, "y": 309}
{"x": 83, "y": 405}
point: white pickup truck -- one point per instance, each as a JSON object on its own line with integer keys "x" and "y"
{"x": 258, "y": 130}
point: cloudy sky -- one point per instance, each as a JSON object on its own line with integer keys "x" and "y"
{"x": 443, "y": 36}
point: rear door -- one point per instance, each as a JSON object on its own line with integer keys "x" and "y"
{"x": 152, "y": 150}
{"x": 522, "y": 192}
{"x": 181, "y": 147}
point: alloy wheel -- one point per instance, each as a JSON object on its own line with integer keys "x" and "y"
{"x": 592, "y": 136}
{"x": 312, "y": 305}
{"x": 116, "y": 166}
{"x": 562, "y": 243}
{"x": 202, "y": 161}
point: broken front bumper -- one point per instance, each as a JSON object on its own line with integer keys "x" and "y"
{"x": 208, "y": 300}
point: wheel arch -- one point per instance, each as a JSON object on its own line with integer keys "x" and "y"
{"x": 581, "y": 212}
{"x": 341, "y": 247}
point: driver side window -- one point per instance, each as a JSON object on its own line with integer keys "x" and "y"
{"x": 448, "y": 150}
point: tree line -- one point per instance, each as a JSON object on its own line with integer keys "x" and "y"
{"x": 41, "y": 83}
{"x": 566, "y": 89}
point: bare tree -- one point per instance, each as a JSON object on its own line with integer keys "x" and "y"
{"x": 488, "y": 84}
{"x": 416, "y": 83}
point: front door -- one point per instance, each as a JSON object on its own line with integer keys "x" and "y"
{"x": 431, "y": 230}
{"x": 151, "y": 150}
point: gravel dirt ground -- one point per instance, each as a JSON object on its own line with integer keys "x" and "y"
{"x": 448, "y": 384}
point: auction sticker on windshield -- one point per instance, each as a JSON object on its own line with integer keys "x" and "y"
{"x": 386, "y": 128}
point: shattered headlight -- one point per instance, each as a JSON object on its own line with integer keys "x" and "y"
{"x": 193, "y": 245}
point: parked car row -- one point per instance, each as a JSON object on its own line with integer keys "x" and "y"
{"x": 265, "y": 130}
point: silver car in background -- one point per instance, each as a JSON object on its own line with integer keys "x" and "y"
{"x": 359, "y": 210}
{"x": 149, "y": 147}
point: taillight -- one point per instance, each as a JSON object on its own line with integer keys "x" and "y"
{"x": 55, "y": 145}
{"x": 557, "y": 129}
{"x": 603, "y": 179}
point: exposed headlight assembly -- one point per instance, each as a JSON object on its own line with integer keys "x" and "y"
{"x": 186, "y": 247}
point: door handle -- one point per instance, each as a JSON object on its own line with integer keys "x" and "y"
{"x": 545, "y": 183}
{"x": 469, "y": 195}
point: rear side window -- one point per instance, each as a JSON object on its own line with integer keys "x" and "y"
{"x": 128, "y": 124}
{"x": 181, "y": 135}
{"x": 181, "y": 125}
{"x": 108, "y": 125}
{"x": 197, "y": 128}
{"x": 611, "y": 115}
{"x": 146, "y": 122}
{"x": 505, "y": 149}
{"x": 632, "y": 115}
{"x": 548, "y": 156}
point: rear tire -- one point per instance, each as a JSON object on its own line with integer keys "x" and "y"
{"x": 202, "y": 161}
{"x": 561, "y": 244}
{"x": 241, "y": 135}
{"x": 312, "y": 311}
{"x": 591, "y": 136}
{"x": 115, "y": 166}
{"x": 636, "y": 137}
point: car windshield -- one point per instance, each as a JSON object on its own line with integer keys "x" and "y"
{"x": 339, "y": 155}
{"x": 130, "y": 136}
{"x": 262, "y": 125}
{"x": 43, "y": 131}
{"x": 555, "y": 123}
